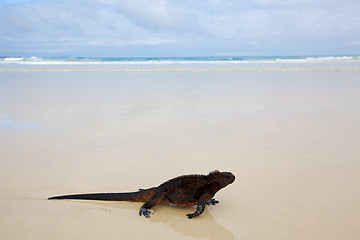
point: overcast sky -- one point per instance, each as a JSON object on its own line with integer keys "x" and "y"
{"x": 150, "y": 28}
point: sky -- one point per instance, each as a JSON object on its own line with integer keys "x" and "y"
{"x": 179, "y": 28}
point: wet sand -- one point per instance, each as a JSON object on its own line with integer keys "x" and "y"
{"x": 292, "y": 139}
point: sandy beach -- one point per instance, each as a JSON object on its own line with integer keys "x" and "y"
{"x": 291, "y": 138}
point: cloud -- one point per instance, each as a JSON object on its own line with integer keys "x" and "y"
{"x": 63, "y": 25}
{"x": 115, "y": 27}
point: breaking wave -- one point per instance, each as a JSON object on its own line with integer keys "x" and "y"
{"x": 181, "y": 64}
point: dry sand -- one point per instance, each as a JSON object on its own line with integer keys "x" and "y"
{"x": 291, "y": 139}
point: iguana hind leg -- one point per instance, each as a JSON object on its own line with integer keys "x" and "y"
{"x": 145, "y": 208}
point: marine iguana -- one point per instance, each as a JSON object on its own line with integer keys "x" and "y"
{"x": 183, "y": 191}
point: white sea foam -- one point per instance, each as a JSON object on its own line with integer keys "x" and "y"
{"x": 211, "y": 64}
{"x": 204, "y": 60}
{"x": 318, "y": 59}
{"x": 13, "y": 59}
{"x": 158, "y": 70}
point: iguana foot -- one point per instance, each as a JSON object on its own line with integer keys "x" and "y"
{"x": 191, "y": 215}
{"x": 212, "y": 202}
{"x": 145, "y": 212}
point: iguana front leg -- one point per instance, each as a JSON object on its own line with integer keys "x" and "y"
{"x": 200, "y": 206}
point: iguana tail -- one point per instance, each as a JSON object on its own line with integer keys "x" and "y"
{"x": 139, "y": 196}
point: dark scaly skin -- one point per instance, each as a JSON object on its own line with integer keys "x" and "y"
{"x": 183, "y": 191}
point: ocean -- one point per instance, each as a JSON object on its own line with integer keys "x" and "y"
{"x": 182, "y": 64}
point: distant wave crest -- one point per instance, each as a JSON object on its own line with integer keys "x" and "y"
{"x": 175, "y": 60}
{"x": 181, "y": 64}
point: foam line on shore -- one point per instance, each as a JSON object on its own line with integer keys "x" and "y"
{"x": 182, "y": 70}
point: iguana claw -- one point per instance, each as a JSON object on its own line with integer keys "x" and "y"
{"x": 145, "y": 212}
{"x": 212, "y": 202}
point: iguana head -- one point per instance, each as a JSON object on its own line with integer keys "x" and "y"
{"x": 223, "y": 178}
